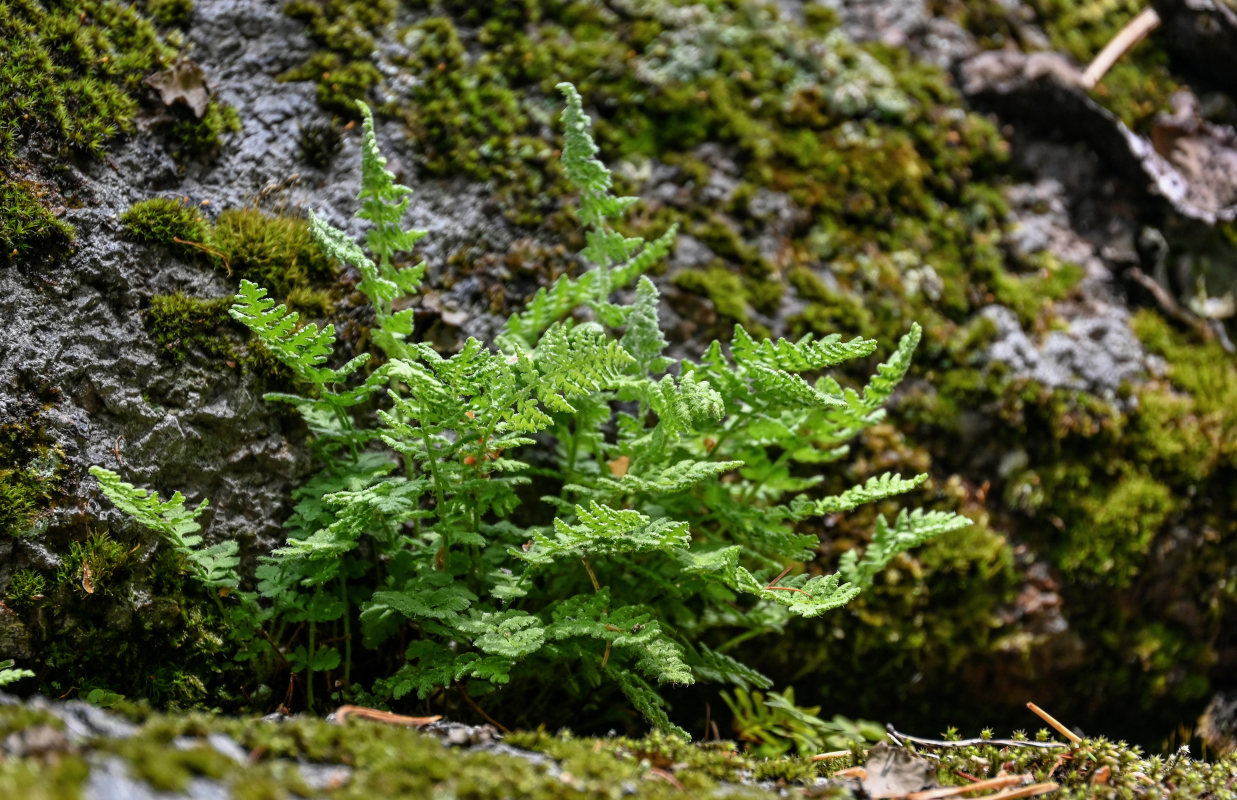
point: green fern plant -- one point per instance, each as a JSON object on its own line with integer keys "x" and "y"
{"x": 10, "y": 675}
{"x": 670, "y": 502}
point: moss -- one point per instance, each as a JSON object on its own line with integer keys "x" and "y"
{"x": 273, "y": 250}
{"x": 181, "y": 324}
{"x": 90, "y": 565}
{"x": 25, "y": 588}
{"x": 27, "y": 226}
{"x": 170, "y": 12}
{"x": 346, "y": 28}
{"x": 31, "y": 473}
{"x": 721, "y": 286}
{"x": 165, "y": 220}
{"x": 73, "y": 72}
{"x": 193, "y": 137}
{"x": 1115, "y": 541}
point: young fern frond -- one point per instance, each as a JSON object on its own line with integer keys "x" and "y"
{"x": 604, "y": 531}
{"x": 304, "y": 349}
{"x": 910, "y": 530}
{"x": 214, "y": 566}
{"x": 878, "y": 487}
{"x": 384, "y": 203}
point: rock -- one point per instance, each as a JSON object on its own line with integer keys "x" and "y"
{"x": 1203, "y": 34}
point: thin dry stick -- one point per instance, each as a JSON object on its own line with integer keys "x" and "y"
{"x": 1134, "y": 32}
{"x": 1061, "y": 729}
{"x": 374, "y": 715}
{"x": 903, "y": 738}
{"x": 832, "y": 754}
{"x": 208, "y": 249}
{"x": 773, "y": 583}
{"x": 1025, "y": 791}
{"x": 950, "y": 791}
{"x": 481, "y": 710}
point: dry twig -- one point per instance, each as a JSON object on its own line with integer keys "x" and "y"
{"x": 374, "y": 715}
{"x": 1134, "y": 32}
{"x": 1061, "y": 729}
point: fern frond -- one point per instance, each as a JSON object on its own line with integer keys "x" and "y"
{"x": 643, "y": 338}
{"x": 716, "y": 667}
{"x": 592, "y": 178}
{"x": 890, "y": 373}
{"x": 805, "y": 355}
{"x": 302, "y": 349}
{"x": 802, "y": 596}
{"x": 575, "y": 362}
{"x": 878, "y": 487}
{"x": 214, "y": 566}
{"x": 384, "y": 203}
{"x": 602, "y": 530}
{"x": 671, "y": 479}
{"x": 647, "y": 701}
{"x": 510, "y": 634}
{"x": 909, "y": 530}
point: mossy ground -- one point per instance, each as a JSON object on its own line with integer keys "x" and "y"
{"x": 392, "y": 761}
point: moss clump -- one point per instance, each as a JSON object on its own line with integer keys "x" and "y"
{"x": 345, "y": 28}
{"x": 198, "y": 137}
{"x": 272, "y": 250}
{"x": 27, "y": 226}
{"x": 721, "y": 286}
{"x": 72, "y": 72}
{"x": 25, "y": 588}
{"x": 169, "y": 12}
{"x": 90, "y": 565}
{"x": 167, "y": 221}
{"x": 181, "y": 324}
{"x": 30, "y": 475}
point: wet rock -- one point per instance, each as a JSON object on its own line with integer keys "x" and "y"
{"x": 1049, "y": 86}
{"x": 1096, "y": 353}
{"x": 1202, "y": 34}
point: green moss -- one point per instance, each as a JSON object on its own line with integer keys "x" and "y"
{"x": 1114, "y": 543}
{"x": 30, "y": 475}
{"x": 181, "y": 324}
{"x": 25, "y": 588}
{"x": 346, "y": 28}
{"x": 72, "y": 72}
{"x": 721, "y": 286}
{"x": 90, "y": 565}
{"x": 164, "y": 220}
{"x": 27, "y": 226}
{"x": 198, "y": 137}
{"x": 170, "y": 12}
{"x": 63, "y": 779}
{"x": 273, "y": 250}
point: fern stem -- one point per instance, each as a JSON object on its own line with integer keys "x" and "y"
{"x": 346, "y": 424}
{"x": 343, "y": 595}
{"x": 309, "y": 667}
{"x": 430, "y": 464}
{"x": 591, "y": 575}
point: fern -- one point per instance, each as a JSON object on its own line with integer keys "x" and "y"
{"x": 10, "y": 675}
{"x": 214, "y": 566}
{"x": 672, "y": 492}
{"x": 911, "y": 529}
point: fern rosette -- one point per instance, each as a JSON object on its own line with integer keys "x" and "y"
{"x": 671, "y": 493}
